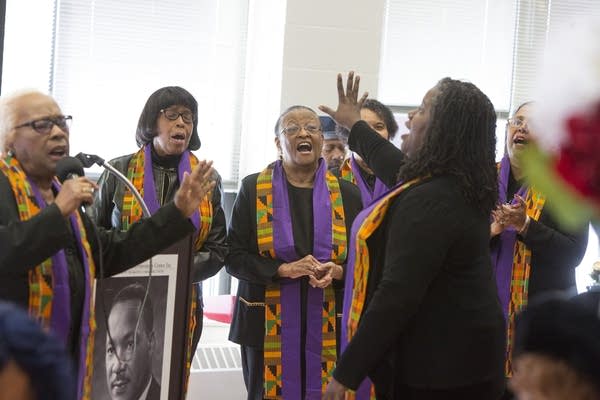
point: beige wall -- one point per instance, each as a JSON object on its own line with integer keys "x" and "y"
{"x": 324, "y": 37}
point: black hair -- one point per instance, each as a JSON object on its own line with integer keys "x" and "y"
{"x": 384, "y": 113}
{"x": 289, "y": 110}
{"x": 163, "y": 98}
{"x": 565, "y": 329}
{"x": 460, "y": 140}
{"x": 136, "y": 291}
{"x": 40, "y": 355}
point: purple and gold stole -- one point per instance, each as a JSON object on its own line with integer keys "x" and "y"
{"x": 141, "y": 174}
{"x": 511, "y": 259}
{"x": 357, "y": 273}
{"x": 282, "y": 350}
{"x": 49, "y": 290}
{"x": 350, "y": 171}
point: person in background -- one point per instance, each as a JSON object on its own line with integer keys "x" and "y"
{"x": 289, "y": 238}
{"x": 34, "y": 365}
{"x": 419, "y": 263}
{"x": 405, "y": 137}
{"x": 334, "y": 144}
{"x": 128, "y": 367}
{"x": 381, "y": 119}
{"x": 167, "y": 132}
{"x": 49, "y": 247}
{"x": 557, "y": 349}
{"x": 531, "y": 254}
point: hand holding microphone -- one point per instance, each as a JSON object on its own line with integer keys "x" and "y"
{"x": 76, "y": 188}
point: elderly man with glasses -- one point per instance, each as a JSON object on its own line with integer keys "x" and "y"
{"x": 49, "y": 248}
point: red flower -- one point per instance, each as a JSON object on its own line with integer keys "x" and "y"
{"x": 579, "y": 159}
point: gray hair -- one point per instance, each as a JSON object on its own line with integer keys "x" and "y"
{"x": 8, "y": 114}
{"x": 289, "y": 110}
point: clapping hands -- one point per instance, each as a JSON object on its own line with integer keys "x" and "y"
{"x": 509, "y": 215}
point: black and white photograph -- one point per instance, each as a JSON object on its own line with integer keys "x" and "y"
{"x": 134, "y": 332}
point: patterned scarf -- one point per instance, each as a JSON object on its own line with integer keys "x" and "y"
{"x": 511, "y": 259}
{"x": 357, "y": 272}
{"x": 49, "y": 291}
{"x": 141, "y": 174}
{"x": 282, "y": 350}
{"x": 350, "y": 171}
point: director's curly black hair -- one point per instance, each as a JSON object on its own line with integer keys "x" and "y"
{"x": 460, "y": 140}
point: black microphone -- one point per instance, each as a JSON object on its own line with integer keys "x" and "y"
{"x": 68, "y": 167}
{"x": 89, "y": 159}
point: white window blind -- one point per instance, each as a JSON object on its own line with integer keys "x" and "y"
{"x": 537, "y": 21}
{"x": 110, "y": 55}
{"x": 27, "y": 45}
{"x": 426, "y": 40}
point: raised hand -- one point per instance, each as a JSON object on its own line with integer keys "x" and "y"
{"x": 348, "y": 109}
{"x": 194, "y": 187}
{"x": 73, "y": 193}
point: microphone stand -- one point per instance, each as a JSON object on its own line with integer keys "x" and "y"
{"x": 89, "y": 159}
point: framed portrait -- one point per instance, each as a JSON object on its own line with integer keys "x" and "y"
{"x": 141, "y": 336}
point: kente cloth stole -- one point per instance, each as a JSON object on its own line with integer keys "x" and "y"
{"x": 49, "y": 291}
{"x": 141, "y": 174}
{"x": 511, "y": 259}
{"x": 350, "y": 171}
{"x": 282, "y": 350}
{"x": 357, "y": 272}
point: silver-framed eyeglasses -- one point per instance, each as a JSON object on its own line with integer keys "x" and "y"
{"x": 294, "y": 130}
{"x": 517, "y": 122}
{"x": 44, "y": 125}
{"x": 172, "y": 115}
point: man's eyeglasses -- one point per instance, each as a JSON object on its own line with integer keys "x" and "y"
{"x": 517, "y": 122}
{"x": 294, "y": 130}
{"x": 44, "y": 125}
{"x": 172, "y": 115}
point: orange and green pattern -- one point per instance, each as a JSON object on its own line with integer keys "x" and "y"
{"x": 346, "y": 171}
{"x": 362, "y": 262}
{"x": 272, "y": 341}
{"x": 519, "y": 285}
{"x": 40, "y": 278}
{"x": 132, "y": 212}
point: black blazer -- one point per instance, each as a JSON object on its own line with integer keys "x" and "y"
{"x": 108, "y": 205}
{"x": 431, "y": 309}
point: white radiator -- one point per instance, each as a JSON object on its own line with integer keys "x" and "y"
{"x": 217, "y": 357}
{"x": 216, "y": 373}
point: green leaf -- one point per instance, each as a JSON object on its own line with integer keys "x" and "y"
{"x": 569, "y": 208}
